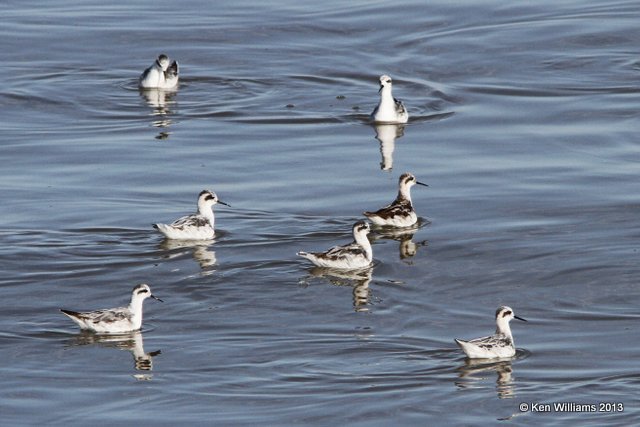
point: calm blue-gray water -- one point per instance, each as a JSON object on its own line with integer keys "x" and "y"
{"x": 524, "y": 123}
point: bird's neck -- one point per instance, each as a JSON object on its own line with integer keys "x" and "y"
{"x": 385, "y": 96}
{"x": 136, "y": 307}
{"x": 363, "y": 241}
{"x": 206, "y": 212}
{"x": 404, "y": 193}
{"x": 503, "y": 328}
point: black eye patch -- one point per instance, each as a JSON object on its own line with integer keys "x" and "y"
{"x": 506, "y": 313}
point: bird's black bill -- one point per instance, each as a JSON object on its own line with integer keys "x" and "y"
{"x": 422, "y": 183}
{"x": 155, "y": 297}
{"x": 520, "y": 318}
{"x": 223, "y": 203}
{"x": 380, "y": 88}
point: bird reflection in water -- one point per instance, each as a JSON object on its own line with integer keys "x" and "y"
{"x": 475, "y": 370}
{"x": 160, "y": 100}
{"x": 387, "y": 135}
{"x": 359, "y": 280}
{"x": 407, "y": 247}
{"x": 131, "y": 341}
{"x": 200, "y": 251}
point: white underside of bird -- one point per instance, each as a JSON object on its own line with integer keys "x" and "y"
{"x": 351, "y": 256}
{"x": 112, "y": 321}
{"x": 490, "y": 347}
{"x": 192, "y": 227}
{"x": 395, "y": 216}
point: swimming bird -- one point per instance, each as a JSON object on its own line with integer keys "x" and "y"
{"x": 162, "y": 74}
{"x": 494, "y": 346}
{"x": 198, "y": 226}
{"x": 389, "y": 109}
{"x": 355, "y": 255}
{"x": 114, "y": 320}
{"x": 398, "y": 213}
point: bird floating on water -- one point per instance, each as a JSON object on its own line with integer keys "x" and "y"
{"x": 389, "y": 109}
{"x": 197, "y": 226}
{"x": 355, "y": 255}
{"x": 498, "y": 345}
{"x": 114, "y": 320}
{"x": 398, "y": 213}
{"x": 162, "y": 74}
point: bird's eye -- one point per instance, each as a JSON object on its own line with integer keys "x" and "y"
{"x": 506, "y": 313}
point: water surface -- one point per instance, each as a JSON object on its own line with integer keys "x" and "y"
{"x": 523, "y": 122}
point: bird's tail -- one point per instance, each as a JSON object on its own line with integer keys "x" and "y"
{"x": 460, "y": 343}
{"x": 70, "y": 313}
{"x": 163, "y": 228}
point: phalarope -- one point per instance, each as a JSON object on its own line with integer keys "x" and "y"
{"x": 198, "y": 226}
{"x": 115, "y": 320}
{"x": 400, "y": 212}
{"x": 494, "y": 346}
{"x": 355, "y": 255}
{"x": 163, "y": 74}
{"x": 389, "y": 109}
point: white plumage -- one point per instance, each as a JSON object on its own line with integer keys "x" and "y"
{"x": 355, "y": 255}
{"x": 114, "y": 320}
{"x": 198, "y": 226}
{"x": 389, "y": 109}
{"x": 162, "y": 74}
{"x": 498, "y": 345}
{"x": 398, "y": 213}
